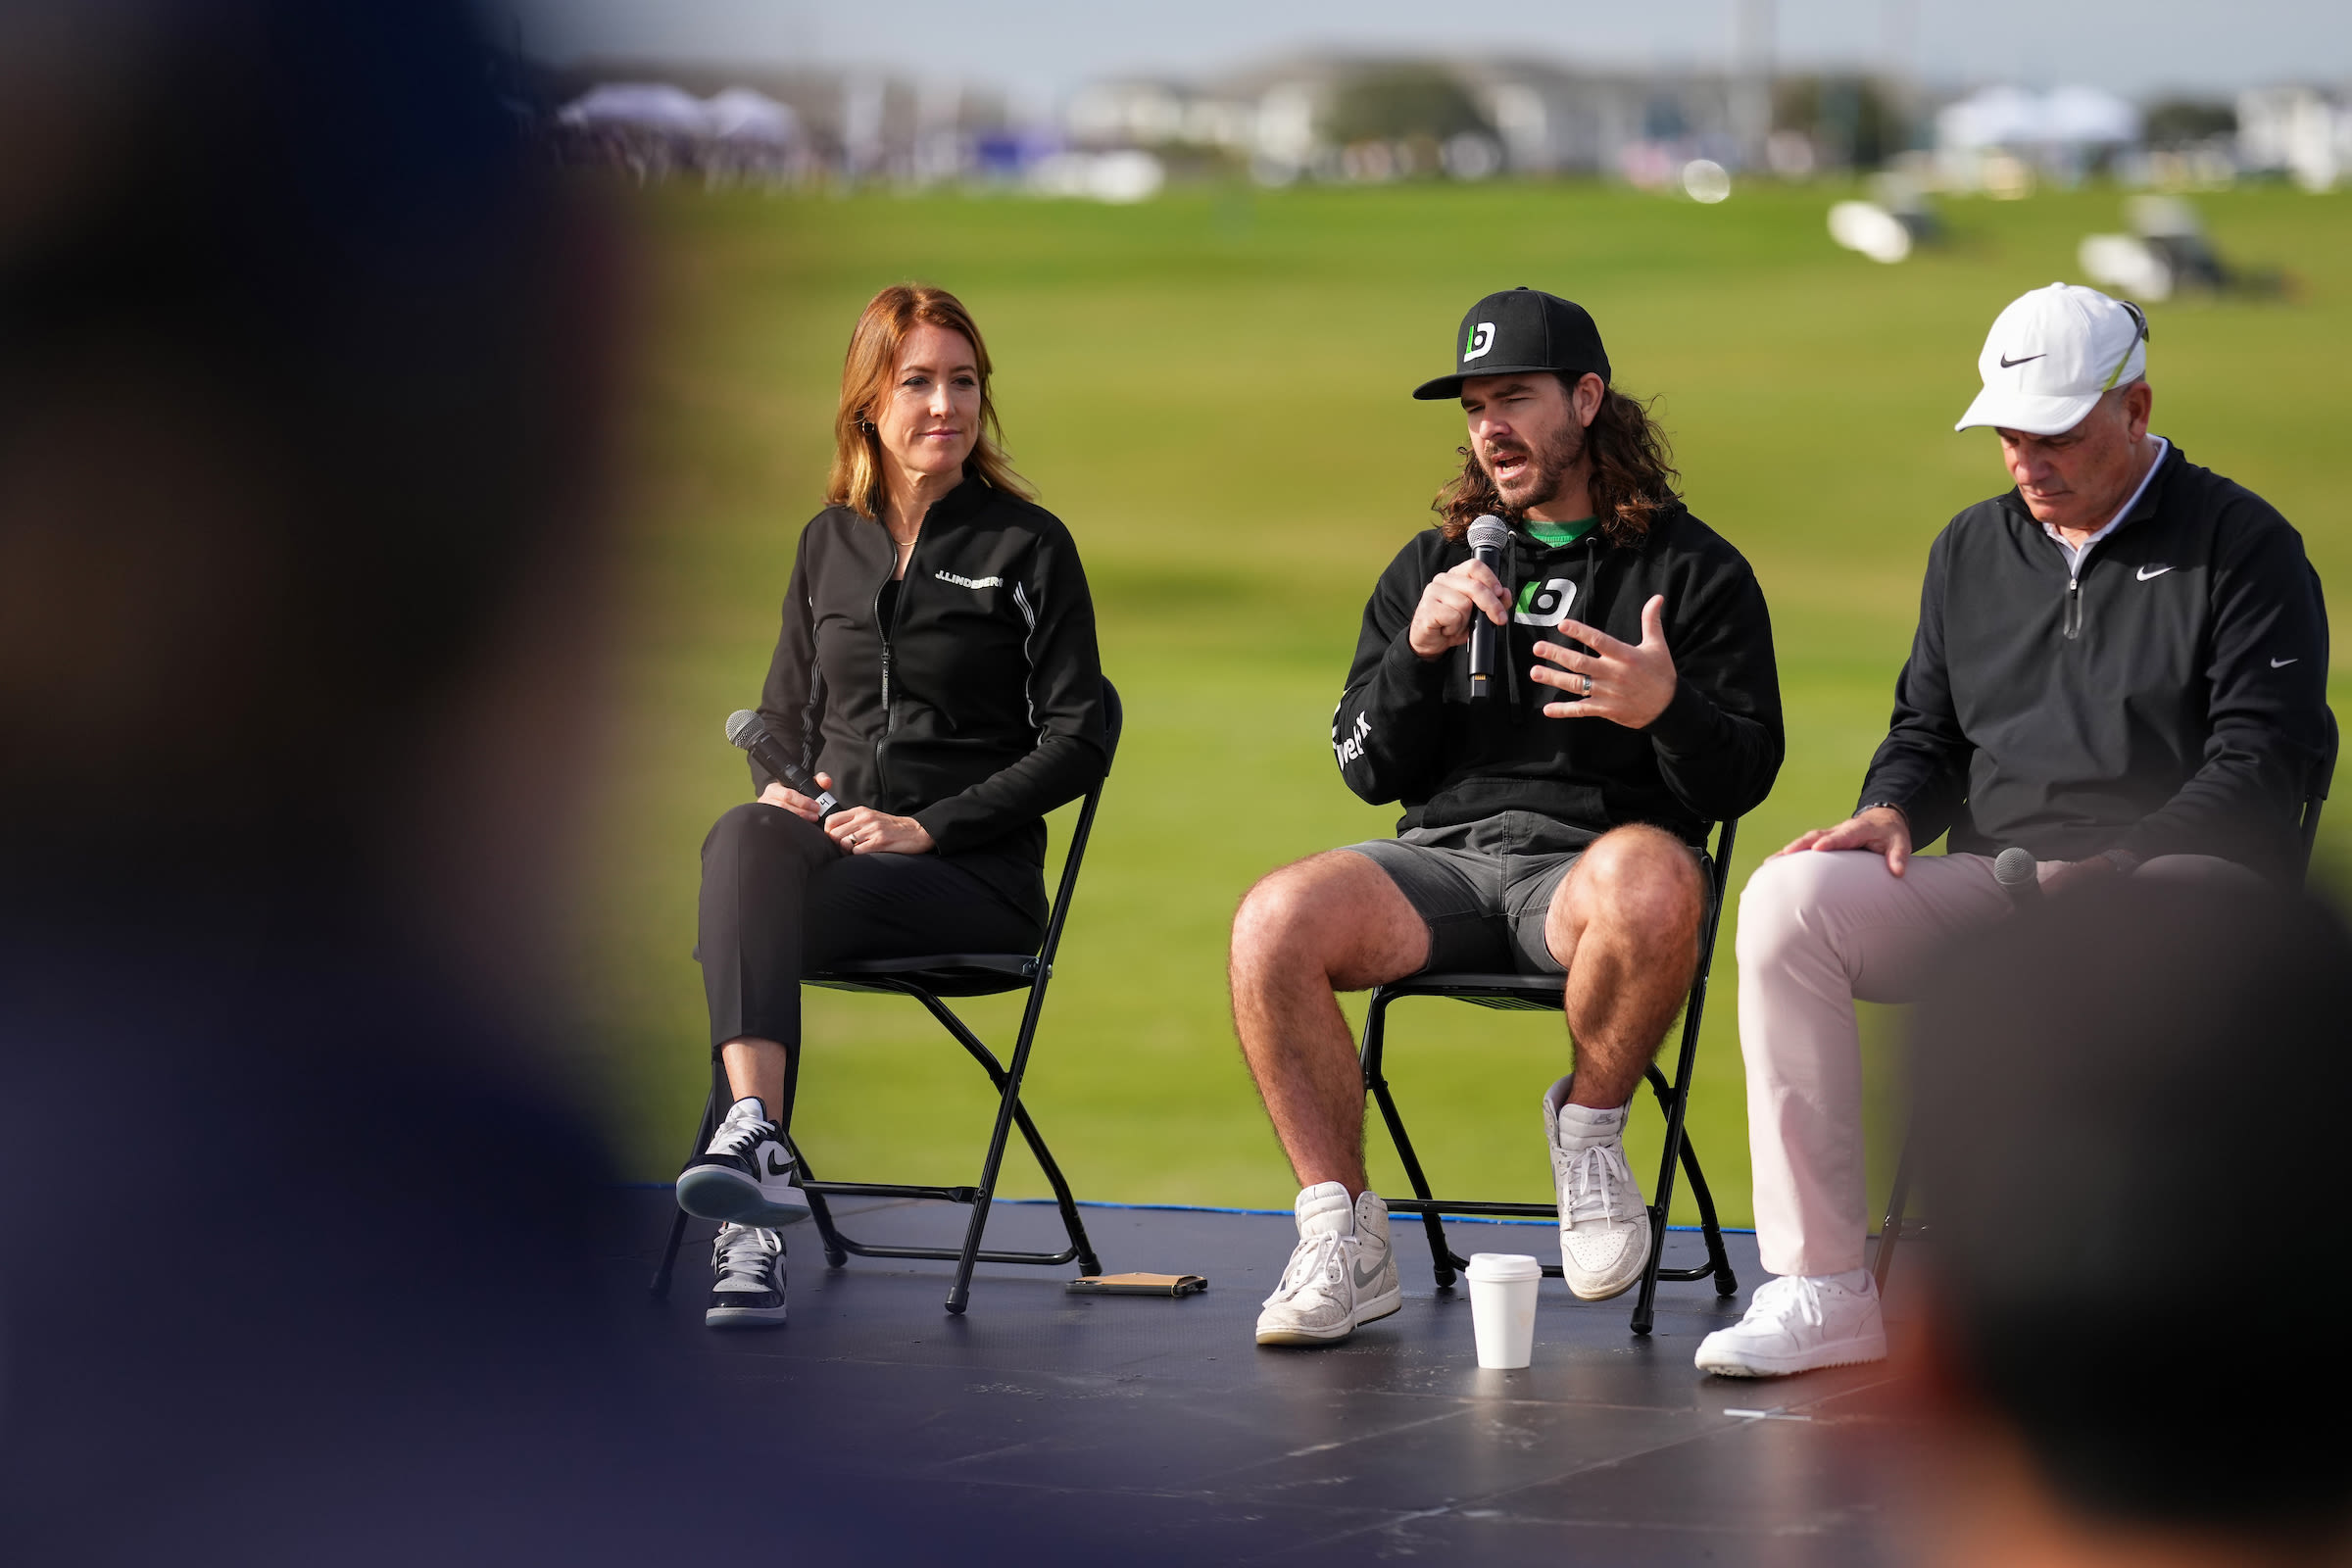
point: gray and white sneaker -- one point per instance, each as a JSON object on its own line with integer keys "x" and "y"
{"x": 747, "y": 1175}
{"x": 1604, "y": 1227}
{"x": 747, "y": 1279}
{"x": 1342, "y": 1275}
{"x": 1797, "y": 1323}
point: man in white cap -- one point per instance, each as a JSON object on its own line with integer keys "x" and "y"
{"x": 2121, "y": 669}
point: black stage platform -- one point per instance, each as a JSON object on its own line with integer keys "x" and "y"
{"x": 1163, "y": 1422}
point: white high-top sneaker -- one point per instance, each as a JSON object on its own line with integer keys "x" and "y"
{"x": 1604, "y": 1227}
{"x": 1342, "y": 1274}
{"x": 1798, "y": 1322}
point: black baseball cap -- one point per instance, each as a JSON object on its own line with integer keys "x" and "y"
{"x": 1522, "y": 329}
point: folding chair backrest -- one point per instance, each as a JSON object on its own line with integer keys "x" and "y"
{"x": 1113, "y": 718}
{"x": 2314, "y": 794}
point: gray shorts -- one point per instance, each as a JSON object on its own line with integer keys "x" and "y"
{"x": 1484, "y": 908}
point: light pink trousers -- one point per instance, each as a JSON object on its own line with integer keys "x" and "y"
{"x": 1818, "y": 931}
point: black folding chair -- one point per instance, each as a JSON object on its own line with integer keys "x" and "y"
{"x": 929, "y": 980}
{"x": 1545, "y": 994}
{"x": 1893, "y": 1228}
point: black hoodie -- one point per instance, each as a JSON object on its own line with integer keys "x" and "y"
{"x": 2170, "y": 698}
{"x": 1407, "y": 729}
{"x": 977, "y": 709}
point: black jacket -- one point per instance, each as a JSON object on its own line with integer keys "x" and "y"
{"x": 978, "y": 710}
{"x": 1407, "y": 729}
{"x": 2172, "y": 699}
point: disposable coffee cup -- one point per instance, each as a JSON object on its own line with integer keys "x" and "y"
{"x": 1502, "y": 1307}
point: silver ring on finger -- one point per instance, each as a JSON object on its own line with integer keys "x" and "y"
{"x": 1587, "y": 683}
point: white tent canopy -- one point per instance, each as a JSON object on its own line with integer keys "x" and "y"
{"x": 737, "y": 115}
{"x": 2012, "y": 116}
{"x": 742, "y": 116}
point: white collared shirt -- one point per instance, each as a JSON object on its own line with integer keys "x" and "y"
{"x": 2074, "y": 557}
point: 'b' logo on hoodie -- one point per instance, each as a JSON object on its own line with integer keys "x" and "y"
{"x": 1545, "y": 603}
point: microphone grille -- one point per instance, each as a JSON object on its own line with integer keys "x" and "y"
{"x": 2014, "y": 866}
{"x": 743, "y": 726}
{"x": 1489, "y": 533}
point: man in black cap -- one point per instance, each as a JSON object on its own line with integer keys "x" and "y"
{"x": 1548, "y": 831}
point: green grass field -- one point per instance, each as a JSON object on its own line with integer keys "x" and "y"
{"x": 1211, "y": 390}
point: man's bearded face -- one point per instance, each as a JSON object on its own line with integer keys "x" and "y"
{"x": 1528, "y": 468}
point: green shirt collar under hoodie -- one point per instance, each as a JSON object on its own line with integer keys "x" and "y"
{"x": 1558, "y": 535}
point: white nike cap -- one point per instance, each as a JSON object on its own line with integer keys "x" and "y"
{"x": 2051, "y": 354}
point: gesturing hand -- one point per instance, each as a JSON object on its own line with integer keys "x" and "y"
{"x": 1629, "y": 682}
{"x": 862, "y": 830}
{"x": 1881, "y": 830}
{"x": 1450, "y": 602}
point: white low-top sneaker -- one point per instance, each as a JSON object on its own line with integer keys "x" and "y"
{"x": 1604, "y": 1226}
{"x": 1798, "y": 1322}
{"x": 1342, "y": 1275}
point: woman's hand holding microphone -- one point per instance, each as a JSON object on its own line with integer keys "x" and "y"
{"x": 858, "y": 829}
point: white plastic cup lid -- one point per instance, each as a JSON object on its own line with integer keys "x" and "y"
{"x": 1498, "y": 1268}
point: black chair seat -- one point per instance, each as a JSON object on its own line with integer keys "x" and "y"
{"x": 943, "y": 974}
{"x": 1514, "y": 993}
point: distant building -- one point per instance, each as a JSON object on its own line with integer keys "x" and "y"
{"x": 1532, "y": 117}
{"x": 2300, "y": 132}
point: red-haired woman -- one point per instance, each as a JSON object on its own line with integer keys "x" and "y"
{"x": 938, "y": 673}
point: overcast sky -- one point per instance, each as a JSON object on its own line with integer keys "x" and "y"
{"x": 1039, "y": 50}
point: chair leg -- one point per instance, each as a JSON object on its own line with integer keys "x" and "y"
{"x": 677, "y": 1220}
{"x": 1008, "y": 1104}
{"x": 1071, "y": 1222}
{"x": 1891, "y": 1230}
{"x": 819, "y": 1209}
{"x": 1710, "y": 1228}
{"x": 1675, "y": 1099}
{"x": 1376, "y": 1023}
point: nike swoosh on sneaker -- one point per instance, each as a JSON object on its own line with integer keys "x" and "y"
{"x": 2147, "y": 572}
{"x": 2008, "y": 363}
{"x": 775, "y": 1169}
{"x": 1365, "y": 1281}
{"x": 2281, "y": 663}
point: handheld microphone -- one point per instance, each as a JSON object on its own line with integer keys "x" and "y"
{"x": 743, "y": 729}
{"x": 1490, "y": 537}
{"x": 2014, "y": 870}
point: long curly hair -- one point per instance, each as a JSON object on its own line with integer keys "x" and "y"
{"x": 856, "y": 479}
{"x": 1631, "y": 474}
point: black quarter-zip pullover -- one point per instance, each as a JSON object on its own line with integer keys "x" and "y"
{"x": 975, "y": 707}
{"x": 2168, "y": 697}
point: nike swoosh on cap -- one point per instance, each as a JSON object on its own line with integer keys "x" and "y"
{"x": 2008, "y": 363}
{"x": 2145, "y": 572}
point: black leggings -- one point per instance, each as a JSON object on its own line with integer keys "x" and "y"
{"x": 780, "y": 900}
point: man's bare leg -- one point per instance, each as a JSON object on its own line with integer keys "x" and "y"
{"x": 1624, "y": 925}
{"x": 1329, "y": 923}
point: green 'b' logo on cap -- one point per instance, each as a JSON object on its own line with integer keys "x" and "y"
{"x": 1480, "y": 340}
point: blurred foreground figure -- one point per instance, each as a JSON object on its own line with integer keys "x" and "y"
{"x": 301, "y": 377}
{"x": 2120, "y": 669}
{"x": 2125, "y": 1323}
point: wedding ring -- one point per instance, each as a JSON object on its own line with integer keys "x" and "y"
{"x": 1587, "y": 685}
